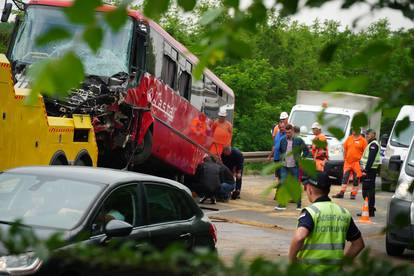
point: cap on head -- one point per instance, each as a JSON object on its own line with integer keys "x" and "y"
{"x": 316, "y": 125}
{"x": 321, "y": 181}
{"x": 284, "y": 115}
{"x": 222, "y": 113}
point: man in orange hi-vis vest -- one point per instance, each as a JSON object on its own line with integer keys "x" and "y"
{"x": 222, "y": 133}
{"x": 319, "y": 147}
{"x": 354, "y": 147}
{"x": 283, "y": 119}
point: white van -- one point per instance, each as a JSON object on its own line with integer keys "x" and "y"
{"x": 339, "y": 111}
{"x": 401, "y": 209}
{"x": 396, "y": 148}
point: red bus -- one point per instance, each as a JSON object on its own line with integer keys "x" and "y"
{"x": 140, "y": 93}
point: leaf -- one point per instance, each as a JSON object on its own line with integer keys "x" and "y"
{"x": 53, "y": 34}
{"x": 187, "y": 5}
{"x": 56, "y": 76}
{"x": 402, "y": 125}
{"x": 232, "y": 3}
{"x": 355, "y": 84}
{"x": 337, "y": 132}
{"x": 93, "y": 36}
{"x": 360, "y": 120}
{"x": 289, "y": 7}
{"x": 328, "y": 52}
{"x": 271, "y": 167}
{"x": 210, "y": 15}
{"x": 82, "y": 11}
{"x": 308, "y": 166}
{"x": 290, "y": 189}
{"x": 154, "y": 9}
{"x": 117, "y": 18}
{"x": 411, "y": 188}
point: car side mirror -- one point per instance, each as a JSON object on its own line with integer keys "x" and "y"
{"x": 117, "y": 228}
{"x": 395, "y": 163}
{"x": 6, "y": 12}
{"x": 384, "y": 140}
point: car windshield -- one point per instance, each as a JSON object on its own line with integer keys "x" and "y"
{"x": 45, "y": 201}
{"x": 404, "y": 137}
{"x": 302, "y": 119}
{"x": 112, "y": 57}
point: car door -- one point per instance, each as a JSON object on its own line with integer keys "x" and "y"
{"x": 168, "y": 218}
{"x": 122, "y": 203}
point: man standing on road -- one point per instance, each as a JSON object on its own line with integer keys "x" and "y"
{"x": 319, "y": 147}
{"x": 291, "y": 149}
{"x": 354, "y": 147}
{"x": 370, "y": 161}
{"x": 233, "y": 159}
{"x": 282, "y": 119}
{"x": 222, "y": 133}
{"x": 275, "y": 154}
{"x": 323, "y": 228}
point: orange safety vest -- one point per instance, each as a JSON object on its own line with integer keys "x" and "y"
{"x": 320, "y": 154}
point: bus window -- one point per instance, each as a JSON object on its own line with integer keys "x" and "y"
{"x": 211, "y": 104}
{"x": 184, "y": 84}
{"x": 197, "y": 94}
{"x": 169, "y": 71}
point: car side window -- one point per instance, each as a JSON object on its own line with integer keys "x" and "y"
{"x": 166, "y": 204}
{"x": 121, "y": 204}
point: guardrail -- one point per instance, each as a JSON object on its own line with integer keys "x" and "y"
{"x": 255, "y": 156}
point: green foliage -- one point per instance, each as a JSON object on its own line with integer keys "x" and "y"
{"x": 53, "y": 34}
{"x": 48, "y": 77}
{"x": 5, "y": 31}
{"x": 93, "y": 37}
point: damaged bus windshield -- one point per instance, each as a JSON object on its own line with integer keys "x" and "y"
{"x": 112, "y": 57}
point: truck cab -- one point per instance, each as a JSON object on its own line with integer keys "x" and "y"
{"x": 305, "y": 115}
{"x": 397, "y": 149}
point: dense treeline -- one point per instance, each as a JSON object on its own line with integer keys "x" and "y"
{"x": 285, "y": 57}
{"x": 282, "y": 57}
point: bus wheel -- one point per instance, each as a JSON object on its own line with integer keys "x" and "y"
{"x": 59, "y": 158}
{"x": 142, "y": 155}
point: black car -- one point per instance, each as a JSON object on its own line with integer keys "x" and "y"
{"x": 105, "y": 204}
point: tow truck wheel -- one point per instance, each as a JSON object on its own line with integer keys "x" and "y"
{"x": 59, "y": 158}
{"x": 145, "y": 152}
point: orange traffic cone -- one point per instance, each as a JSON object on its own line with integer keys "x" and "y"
{"x": 365, "y": 213}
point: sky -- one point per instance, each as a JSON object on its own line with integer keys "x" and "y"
{"x": 345, "y": 17}
{"x": 332, "y": 11}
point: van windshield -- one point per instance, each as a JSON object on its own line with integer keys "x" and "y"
{"x": 404, "y": 137}
{"x": 112, "y": 57}
{"x": 302, "y": 118}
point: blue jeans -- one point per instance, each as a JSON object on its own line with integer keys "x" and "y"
{"x": 293, "y": 171}
{"x": 225, "y": 190}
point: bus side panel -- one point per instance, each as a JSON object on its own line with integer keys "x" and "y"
{"x": 175, "y": 149}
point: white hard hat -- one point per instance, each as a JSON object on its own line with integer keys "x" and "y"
{"x": 222, "y": 113}
{"x": 283, "y": 115}
{"x": 316, "y": 125}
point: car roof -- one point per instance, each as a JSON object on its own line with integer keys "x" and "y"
{"x": 95, "y": 175}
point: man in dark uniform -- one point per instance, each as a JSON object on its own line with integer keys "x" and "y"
{"x": 234, "y": 160}
{"x": 207, "y": 179}
{"x": 370, "y": 162}
{"x": 323, "y": 229}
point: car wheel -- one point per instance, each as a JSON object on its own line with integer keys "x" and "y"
{"x": 393, "y": 249}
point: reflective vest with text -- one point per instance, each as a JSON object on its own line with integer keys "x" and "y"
{"x": 324, "y": 247}
{"x": 377, "y": 160}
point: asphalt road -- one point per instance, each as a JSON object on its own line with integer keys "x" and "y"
{"x": 251, "y": 225}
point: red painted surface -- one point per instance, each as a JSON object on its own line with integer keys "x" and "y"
{"x": 175, "y": 139}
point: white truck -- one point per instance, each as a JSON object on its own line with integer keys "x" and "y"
{"x": 396, "y": 149}
{"x": 340, "y": 109}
